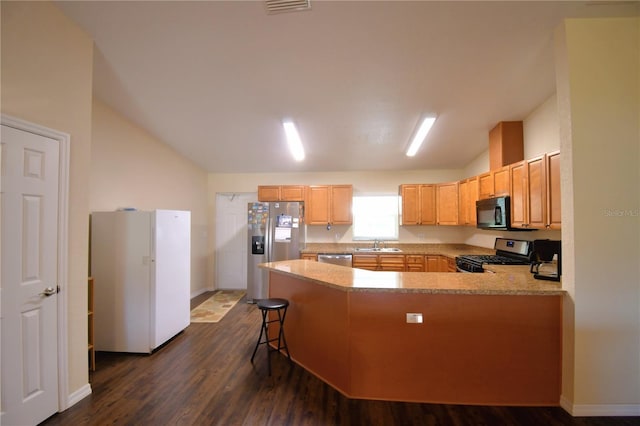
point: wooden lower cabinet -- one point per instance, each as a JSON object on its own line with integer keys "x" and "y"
{"x": 439, "y": 263}
{"x": 391, "y": 262}
{"x": 365, "y": 261}
{"x": 379, "y": 262}
{"x": 414, "y": 263}
{"x": 309, "y": 256}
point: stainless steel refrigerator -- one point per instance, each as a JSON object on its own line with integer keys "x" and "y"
{"x": 275, "y": 232}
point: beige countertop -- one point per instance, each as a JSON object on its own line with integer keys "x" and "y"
{"x": 450, "y": 250}
{"x": 506, "y": 280}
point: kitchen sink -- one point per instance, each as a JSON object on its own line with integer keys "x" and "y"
{"x": 378, "y": 250}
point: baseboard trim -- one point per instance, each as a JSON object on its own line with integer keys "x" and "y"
{"x": 199, "y": 292}
{"x": 79, "y": 395}
{"x": 599, "y": 410}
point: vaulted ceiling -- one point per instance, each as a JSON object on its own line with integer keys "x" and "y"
{"x": 215, "y": 79}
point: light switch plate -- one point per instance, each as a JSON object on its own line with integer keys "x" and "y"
{"x": 414, "y": 318}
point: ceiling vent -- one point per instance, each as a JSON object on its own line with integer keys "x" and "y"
{"x": 279, "y": 6}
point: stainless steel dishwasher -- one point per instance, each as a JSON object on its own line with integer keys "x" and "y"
{"x": 336, "y": 259}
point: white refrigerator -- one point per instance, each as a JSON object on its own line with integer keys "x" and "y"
{"x": 140, "y": 262}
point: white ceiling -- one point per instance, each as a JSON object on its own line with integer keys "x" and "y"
{"x": 214, "y": 79}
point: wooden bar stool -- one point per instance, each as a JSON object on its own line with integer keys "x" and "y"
{"x": 265, "y": 306}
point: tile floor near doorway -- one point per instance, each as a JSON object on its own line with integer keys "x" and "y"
{"x": 204, "y": 377}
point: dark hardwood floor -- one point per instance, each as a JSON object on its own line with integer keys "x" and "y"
{"x": 204, "y": 377}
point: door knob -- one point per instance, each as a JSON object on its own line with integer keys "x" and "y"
{"x": 49, "y": 291}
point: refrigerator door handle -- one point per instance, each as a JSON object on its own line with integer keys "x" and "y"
{"x": 267, "y": 239}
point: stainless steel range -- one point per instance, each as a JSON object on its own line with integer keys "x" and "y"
{"x": 508, "y": 252}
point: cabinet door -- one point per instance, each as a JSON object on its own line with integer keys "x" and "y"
{"x": 554, "y": 219}
{"x": 501, "y": 181}
{"x": 341, "y": 200}
{"x": 427, "y": 205}
{"x": 391, "y": 262}
{"x": 432, "y": 263}
{"x": 309, "y": 256}
{"x": 447, "y": 203}
{"x": 414, "y": 263}
{"x": 365, "y": 261}
{"x": 317, "y": 208}
{"x": 537, "y": 203}
{"x": 292, "y": 193}
{"x": 443, "y": 264}
{"x": 410, "y": 204}
{"x": 468, "y": 195}
{"x": 463, "y": 195}
{"x": 485, "y": 185}
{"x": 269, "y": 193}
{"x": 472, "y": 197}
{"x": 519, "y": 216}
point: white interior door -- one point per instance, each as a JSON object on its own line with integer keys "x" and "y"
{"x": 29, "y": 204}
{"x": 231, "y": 240}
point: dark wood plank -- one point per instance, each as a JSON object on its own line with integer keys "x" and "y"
{"x": 204, "y": 377}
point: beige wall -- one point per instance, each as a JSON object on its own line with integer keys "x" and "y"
{"x": 46, "y": 79}
{"x": 541, "y": 129}
{"x": 598, "y": 85}
{"x": 130, "y": 168}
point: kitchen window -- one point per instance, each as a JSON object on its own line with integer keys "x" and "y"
{"x": 375, "y": 217}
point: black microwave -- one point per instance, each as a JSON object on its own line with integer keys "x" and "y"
{"x": 494, "y": 213}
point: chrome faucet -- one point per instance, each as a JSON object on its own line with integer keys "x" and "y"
{"x": 375, "y": 244}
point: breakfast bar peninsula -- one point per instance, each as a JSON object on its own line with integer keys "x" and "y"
{"x": 488, "y": 339}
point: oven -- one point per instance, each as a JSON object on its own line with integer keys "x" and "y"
{"x": 508, "y": 252}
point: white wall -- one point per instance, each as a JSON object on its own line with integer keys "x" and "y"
{"x": 598, "y": 82}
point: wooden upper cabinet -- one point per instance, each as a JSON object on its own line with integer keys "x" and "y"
{"x": 317, "y": 205}
{"x": 292, "y": 193}
{"x": 485, "y": 185}
{"x": 506, "y": 144}
{"x": 537, "y": 197}
{"x": 554, "y": 219}
{"x": 418, "y": 204}
{"x": 281, "y": 193}
{"x": 468, "y": 195}
{"x": 501, "y": 181}
{"x": 269, "y": 193}
{"x": 428, "y": 204}
{"x": 463, "y": 195}
{"x": 495, "y": 183}
{"x": 447, "y": 203}
{"x": 341, "y": 204}
{"x": 472, "y": 197}
{"x": 410, "y": 197}
{"x": 531, "y": 198}
{"x": 329, "y": 204}
{"x": 519, "y": 191}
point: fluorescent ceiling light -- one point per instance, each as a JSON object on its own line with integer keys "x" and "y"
{"x": 293, "y": 139}
{"x": 420, "y": 135}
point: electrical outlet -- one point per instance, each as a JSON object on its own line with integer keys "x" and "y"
{"x": 414, "y": 318}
